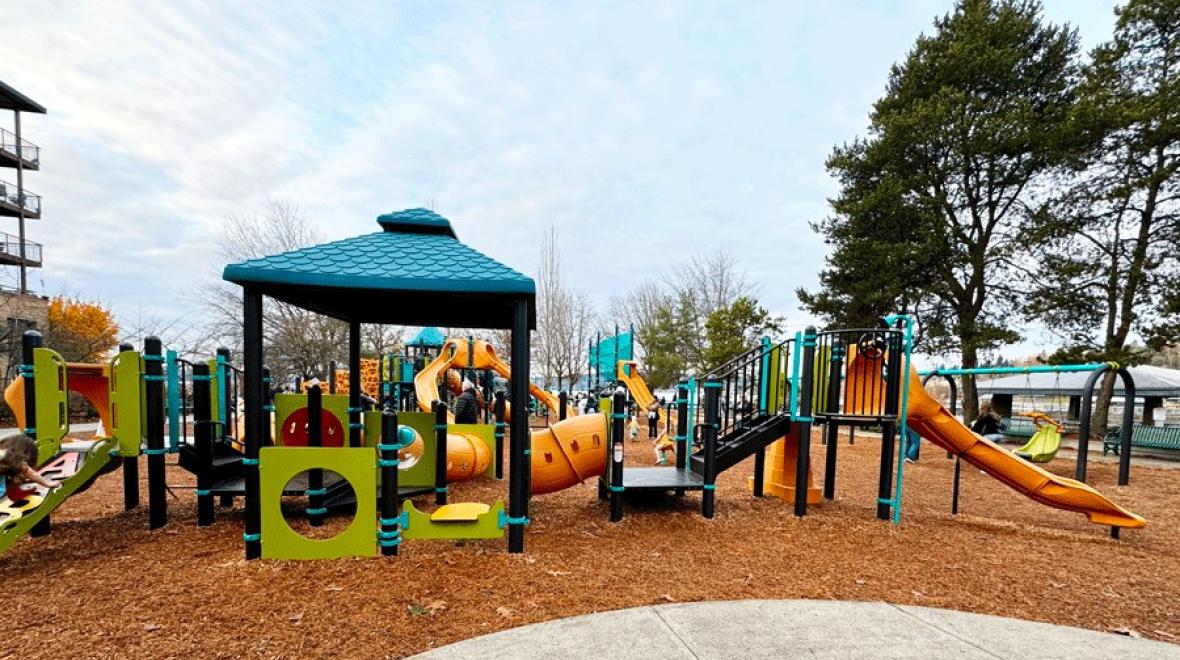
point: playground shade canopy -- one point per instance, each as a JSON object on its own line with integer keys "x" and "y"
{"x": 428, "y": 338}
{"x": 1149, "y": 382}
{"x": 415, "y": 271}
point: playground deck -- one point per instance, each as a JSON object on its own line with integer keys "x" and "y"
{"x": 186, "y": 590}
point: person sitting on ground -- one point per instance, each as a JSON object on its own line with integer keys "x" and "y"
{"x": 18, "y": 455}
{"x": 989, "y": 423}
{"x": 663, "y": 444}
{"x": 467, "y": 405}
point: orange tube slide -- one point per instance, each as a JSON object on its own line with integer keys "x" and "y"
{"x": 454, "y": 356}
{"x": 563, "y": 455}
{"x": 629, "y": 373}
{"x": 935, "y": 423}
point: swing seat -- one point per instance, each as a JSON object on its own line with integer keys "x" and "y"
{"x": 1042, "y": 446}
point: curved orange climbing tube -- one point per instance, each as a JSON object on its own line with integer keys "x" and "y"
{"x": 454, "y": 355}
{"x": 563, "y": 455}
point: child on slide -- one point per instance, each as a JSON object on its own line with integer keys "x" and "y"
{"x": 18, "y": 455}
{"x": 663, "y": 444}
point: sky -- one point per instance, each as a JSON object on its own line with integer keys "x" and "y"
{"x": 645, "y": 132}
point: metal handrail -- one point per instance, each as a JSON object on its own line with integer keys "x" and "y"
{"x": 11, "y": 194}
{"x": 26, "y": 151}
{"x": 10, "y": 244}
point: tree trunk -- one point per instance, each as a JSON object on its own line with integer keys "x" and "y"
{"x": 969, "y": 396}
{"x": 1099, "y": 420}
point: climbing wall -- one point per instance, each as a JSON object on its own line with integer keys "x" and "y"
{"x": 370, "y": 379}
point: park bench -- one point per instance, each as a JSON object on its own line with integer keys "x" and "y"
{"x": 1017, "y": 427}
{"x": 1153, "y": 437}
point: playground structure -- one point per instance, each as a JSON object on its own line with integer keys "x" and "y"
{"x": 341, "y": 451}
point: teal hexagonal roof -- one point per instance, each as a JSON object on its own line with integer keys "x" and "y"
{"x": 416, "y": 260}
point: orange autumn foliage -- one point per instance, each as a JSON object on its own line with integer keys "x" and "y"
{"x": 81, "y": 331}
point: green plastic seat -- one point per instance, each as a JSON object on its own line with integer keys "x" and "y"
{"x": 1042, "y": 446}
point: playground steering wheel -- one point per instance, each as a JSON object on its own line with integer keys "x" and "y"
{"x": 871, "y": 344}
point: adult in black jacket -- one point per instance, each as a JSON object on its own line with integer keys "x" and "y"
{"x": 467, "y": 406}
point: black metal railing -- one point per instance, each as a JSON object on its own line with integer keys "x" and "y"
{"x": 13, "y": 196}
{"x": 851, "y": 374}
{"x": 11, "y": 245}
{"x": 23, "y": 149}
{"x": 754, "y": 385}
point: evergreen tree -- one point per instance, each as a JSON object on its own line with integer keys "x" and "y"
{"x": 1108, "y": 250}
{"x": 931, "y": 202}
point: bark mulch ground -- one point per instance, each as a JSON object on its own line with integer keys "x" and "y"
{"x": 103, "y": 586}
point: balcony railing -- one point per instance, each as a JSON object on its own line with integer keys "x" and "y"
{"x": 10, "y": 250}
{"x": 11, "y": 195}
{"x": 30, "y": 152}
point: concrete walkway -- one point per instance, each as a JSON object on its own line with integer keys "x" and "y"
{"x": 798, "y": 628}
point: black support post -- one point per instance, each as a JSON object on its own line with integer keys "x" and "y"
{"x": 316, "y": 494}
{"x": 803, "y": 423}
{"x": 30, "y": 341}
{"x": 252, "y": 366}
{"x": 440, "y": 461}
{"x": 1084, "y": 423}
{"x": 203, "y": 440}
{"x": 519, "y": 449}
{"x": 562, "y": 404}
{"x": 355, "y": 416}
{"x": 709, "y": 430}
{"x": 955, "y": 488}
{"x": 682, "y": 456}
{"x": 498, "y": 435}
{"x": 153, "y": 355}
{"x": 832, "y": 428}
{"x": 618, "y": 415}
{"x": 893, "y": 357}
{"x": 389, "y": 538}
{"x": 1125, "y": 435}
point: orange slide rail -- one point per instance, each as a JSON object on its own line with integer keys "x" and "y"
{"x": 563, "y": 455}
{"x": 935, "y": 423}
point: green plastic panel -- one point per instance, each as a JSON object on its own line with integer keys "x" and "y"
{"x": 421, "y": 473}
{"x": 286, "y": 405}
{"x": 127, "y": 402}
{"x": 776, "y": 379}
{"x": 419, "y": 525}
{"x": 53, "y": 420}
{"x": 821, "y": 364}
{"x": 358, "y": 465}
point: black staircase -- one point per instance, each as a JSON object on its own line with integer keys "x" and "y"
{"x": 754, "y": 405}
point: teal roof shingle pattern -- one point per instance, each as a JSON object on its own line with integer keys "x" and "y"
{"x": 416, "y": 251}
{"x": 429, "y": 338}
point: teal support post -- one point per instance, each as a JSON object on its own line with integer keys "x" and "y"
{"x": 172, "y": 374}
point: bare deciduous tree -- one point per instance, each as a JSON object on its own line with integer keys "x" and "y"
{"x": 565, "y": 320}
{"x": 298, "y": 342}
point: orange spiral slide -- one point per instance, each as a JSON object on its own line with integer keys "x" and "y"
{"x": 935, "y": 423}
{"x": 563, "y": 455}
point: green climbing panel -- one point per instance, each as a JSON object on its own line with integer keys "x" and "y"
{"x": 464, "y": 520}
{"x": 127, "y": 402}
{"x": 53, "y": 421}
{"x": 357, "y": 465}
{"x": 419, "y": 473}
